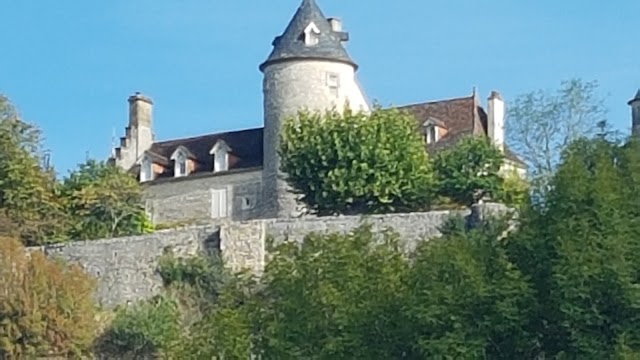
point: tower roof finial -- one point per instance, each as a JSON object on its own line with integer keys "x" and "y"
{"x": 291, "y": 44}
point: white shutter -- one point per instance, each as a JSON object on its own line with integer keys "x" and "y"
{"x": 218, "y": 203}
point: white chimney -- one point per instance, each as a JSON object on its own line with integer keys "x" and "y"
{"x": 495, "y": 119}
{"x": 336, "y": 24}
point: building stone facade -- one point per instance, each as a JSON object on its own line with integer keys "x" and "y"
{"x": 235, "y": 175}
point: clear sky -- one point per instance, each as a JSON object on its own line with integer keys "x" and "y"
{"x": 70, "y": 65}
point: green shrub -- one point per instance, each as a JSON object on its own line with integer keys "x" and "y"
{"x": 148, "y": 329}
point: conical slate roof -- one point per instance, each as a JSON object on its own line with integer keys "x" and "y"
{"x": 636, "y": 98}
{"x": 291, "y": 45}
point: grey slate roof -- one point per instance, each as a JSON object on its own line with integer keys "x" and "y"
{"x": 290, "y": 45}
{"x": 636, "y": 98}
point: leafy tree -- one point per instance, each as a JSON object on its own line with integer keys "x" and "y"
{"x": 541, "y": 124}
{"x": 27, "y": 191}
{"x": 104, "y": 201}
{"x": 468, "y": 171}
{"x": 356, "y": 163}
{"x": 469, "y": 301}
{"x": 580, "y": 252}
{"x": 336, "y": 297}
{"x": 46, "y": 307}
{"x": 147, "y": 330}
{"x": 515, "y": 190}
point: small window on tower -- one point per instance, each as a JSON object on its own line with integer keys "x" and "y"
{"x": 333, "y": 82}
{"x": 311, "y": 35}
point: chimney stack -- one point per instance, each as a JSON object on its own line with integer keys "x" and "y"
{"x": 635, "y": 114}
{"x": 336, "y": 24}
{"x": 495, "y": 119}
{"x": 140, "y": 110}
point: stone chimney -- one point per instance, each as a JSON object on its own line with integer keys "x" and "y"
{"x": 336, "y": 24}
{"x": 495, "y": 119}
{"x": 139, "y": 134}
{"x": 635, "y": 114}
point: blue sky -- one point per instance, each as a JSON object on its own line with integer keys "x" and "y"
{"x": 70, "y": 65}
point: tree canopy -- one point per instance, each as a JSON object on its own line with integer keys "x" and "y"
{"x": 357, "y": 162}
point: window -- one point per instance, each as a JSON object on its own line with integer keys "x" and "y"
{"x": 311, "y": 33}
{"x": 220, "y": 152}
{"x": 180, "y": 160}
{"x": 247, "y": 203}
{"x": 146, "y": 170}
{"x": 220, "y": 161}
{"x": 333, "y": 82}
{"x": 181, "y": 165}
{"x": 218, "y": 203}
{"x": 431, "y": 134}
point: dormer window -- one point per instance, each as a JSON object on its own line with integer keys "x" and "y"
{"x": 311, "y": 35}
{"x": 431, "y": 130}
{"x": 146, "y": 170}
{"x": 220, "y": 152}
{"x": 180, "y": 162}
{"x": 431, "y": 134}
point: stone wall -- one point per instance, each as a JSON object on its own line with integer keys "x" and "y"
{"x": 126, "y": 267}
{"x": 189, "y": 199}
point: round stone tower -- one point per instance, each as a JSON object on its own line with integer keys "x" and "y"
{"x": 310, "y": 69}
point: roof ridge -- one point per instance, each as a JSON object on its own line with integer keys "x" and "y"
{"x": 208, "y": 135}
{"x": 470, "y": 97}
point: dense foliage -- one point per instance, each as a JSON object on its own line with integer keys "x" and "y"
{"x": 46, "y": 308}
{"x": 469, "y": 171}
{"x": 357, "y": 163}
{"x": 562, "y": 284}
{"x": 103, "y": 202}
{"x": 95, "y": 201}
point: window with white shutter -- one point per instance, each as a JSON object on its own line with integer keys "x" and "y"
{"x": 218, "y": 203}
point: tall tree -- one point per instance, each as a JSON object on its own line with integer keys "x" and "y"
{"x": 541, "y": 124}
{"x": 356, "y": 162}
{"x": 580, "y": 252}
{"x": 27, "y": 191}
{"x": 104, "y": 201}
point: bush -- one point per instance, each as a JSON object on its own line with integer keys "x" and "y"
{"x": 149, "y": 329}
{"x": 469, "y": 171}
{"x": 357, "y": 163}
{"x": 46, "y": 307}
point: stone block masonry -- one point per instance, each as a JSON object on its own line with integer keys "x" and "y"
{"x": 126, "y": 268}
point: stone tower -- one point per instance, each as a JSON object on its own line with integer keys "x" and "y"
{"x": 635, "y": 114}
{"x": 310, "y": 69}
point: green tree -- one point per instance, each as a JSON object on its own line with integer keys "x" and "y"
{"x": 46, "y": 307}
{"x": 468, "y": 300}
{"x": 28, "y": 193}
{"x": 541, "y": 124}
{"x": 336, "y": 297}
{"x": 468, "y": 171}
{"x": 357, "y": 163}
{"x": 580, "y": 252}
{"x": 104, "y": 201}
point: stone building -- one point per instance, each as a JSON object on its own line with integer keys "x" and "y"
{"x": 235, "y": 174}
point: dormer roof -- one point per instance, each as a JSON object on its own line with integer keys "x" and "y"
{"x": 184, "y": 150}
{"x": 220, "y": 145}
{"x": 291, "y": 44}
